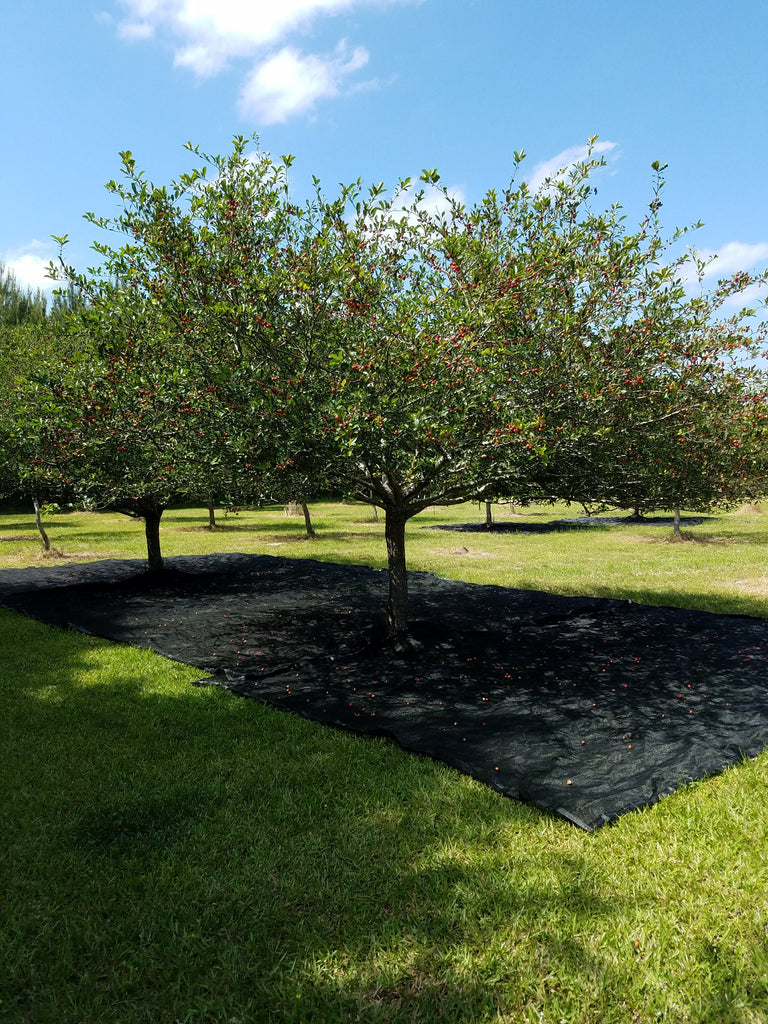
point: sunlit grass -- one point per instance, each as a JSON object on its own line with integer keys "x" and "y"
{"x": 170, "y": 853}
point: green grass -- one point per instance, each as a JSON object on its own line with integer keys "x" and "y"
{"x": 170, "y": 853}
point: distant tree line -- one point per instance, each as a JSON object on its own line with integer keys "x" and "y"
{"x": 19, "y": 304}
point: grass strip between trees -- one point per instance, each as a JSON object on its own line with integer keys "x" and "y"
{"x": 174, "y": 854}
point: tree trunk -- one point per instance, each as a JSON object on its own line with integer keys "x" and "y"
{"x": 488, "y": 514}
{"x": 375, "y": 514}
{"x": 397, "y": 608}
{"x": 39, "y": 522}
{"x": 152, "y": 533}
{"x": 211, "y": 516}
{"x": 307, "y": 520}
{"x": 676, "y": 523}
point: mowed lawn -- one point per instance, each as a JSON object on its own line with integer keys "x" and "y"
{"x": 170, "y": 853}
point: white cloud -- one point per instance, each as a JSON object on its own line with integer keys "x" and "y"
{"x": 433, "y": 199}
{"x": 754, "y": 296}
{"x": 204, "y": 60}
{"x": 29, "y": 265}
{"x": 209, "y": 34}
{"x": 255, "y": 23}
{"x": 135, "y": 30}
{"x": 730, "y": 259}
{"x": 289, "y": 83}
{"x": 565, "y": 160}
{"x": 733, "y": 257}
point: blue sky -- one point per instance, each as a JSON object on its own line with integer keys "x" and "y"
{"x": 380, "y": 89}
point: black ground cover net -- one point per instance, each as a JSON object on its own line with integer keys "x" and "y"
{"x": 587, "y": 707}
{"x": 577, "y": 523}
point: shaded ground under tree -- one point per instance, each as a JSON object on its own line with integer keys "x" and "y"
{"x": 586, "y": 707}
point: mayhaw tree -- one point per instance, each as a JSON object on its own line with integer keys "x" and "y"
{"x": 128, "y": 423}
{"x": 24, "y": 348}
{"x": 189, "y": 302}
{"x": 479, "y": 351}
{"x": 686, "y": 432}
{"x": 710, "y": 391}
{"x": 217, "y": 256}
{"x": 668, "y": 406}
{"x": 394, "y": 401}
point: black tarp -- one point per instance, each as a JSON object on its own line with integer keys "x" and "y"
{"x": 587, "y": 707}
{"x": 563, "y": 525}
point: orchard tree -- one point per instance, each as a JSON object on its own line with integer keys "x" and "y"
{"x": 490, "y": 350}
{"x": 696, "y": 442}
{"x": 129, "y": 424}
{"x": 683, "y": 421}
{"x": 646, "y": 392}
{"x": 24, "y": 349}
{"x": 394, "y": 401}
{"x": 23, "y": 343}
{"x": 212, "y": 256}
{"x": 240, "y": 274}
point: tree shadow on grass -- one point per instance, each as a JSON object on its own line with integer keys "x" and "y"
{"x": 267, "y": 530}
{"x": 738, "y": 605}
{"x": 201, "y": 527}
{"x": 55, "y": 524}
{"x": 185, "y": 842}
{"x": 747, "y": 539}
